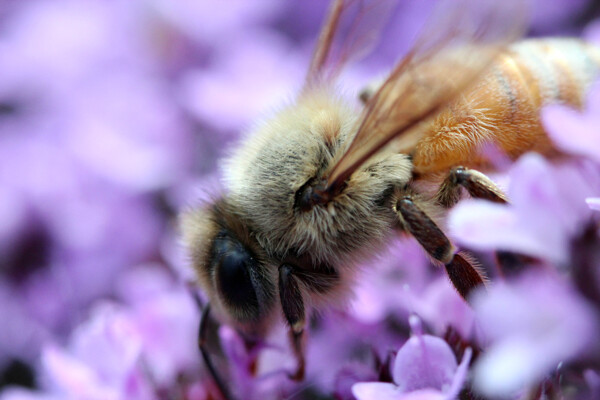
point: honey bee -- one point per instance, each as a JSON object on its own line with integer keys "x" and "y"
{"x": 321, "y": 185}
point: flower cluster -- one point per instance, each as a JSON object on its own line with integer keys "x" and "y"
{"x": 113, "y": 116}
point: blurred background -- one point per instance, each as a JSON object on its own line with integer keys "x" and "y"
{"x": 113, "y": 116}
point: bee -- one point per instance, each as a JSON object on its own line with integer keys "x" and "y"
{"x": 322, "y": 185}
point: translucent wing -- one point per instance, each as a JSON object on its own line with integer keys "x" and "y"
{"x": 459, "y": 42}
{"x": 349, "y": 31}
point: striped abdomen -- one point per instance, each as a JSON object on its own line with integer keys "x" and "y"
{"x": 504, "y": 107}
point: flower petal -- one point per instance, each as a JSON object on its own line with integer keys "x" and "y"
{"x": 533, "y": 324}
{"x": 424, "y": 362}
{"x": 593, "y": 203}
{"x": 483, "y": 225}
{"x": 460, "y": 376}
{"x": 376, "y": 391}
{"x": 73, "y": 377}
{"x": 572, "y": 131}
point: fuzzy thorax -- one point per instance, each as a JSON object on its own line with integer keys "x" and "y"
{"x": 299, "y": 144}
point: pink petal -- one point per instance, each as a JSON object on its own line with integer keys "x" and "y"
{"x": 533, "y": 325}
{"x": 376, "y": 391}
{"x": 424, "y": 362}
{"x": 572, "y": 131}
{"x": 73, "y": 377}
{"x": 461, "y": 375}
{"x": 387, "y": 391}
{"x": 482, "y": 225}
{"x": 542, "y": 215}
{"x": 109, "y": 343}
{"x": 18, "y": 393}
{"x": 426, "y": 394}
{"x": 593, "y": 203}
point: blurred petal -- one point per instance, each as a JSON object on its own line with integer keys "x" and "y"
{"x": 460, "y": 376}
{"x": 387, "y": 391}
{"x": 74, "y": 377}
{"x": 572, "y": 131}
{"x": 166, "y": 318}
{"x": 392, "y": 283}
{"x": 593, "y": 203}
{"x": 376, "y": 391}
{"x": 483, "y": 225}
{"x": 549, "y": 15}
{"x": 440, "y": 306}
{"x": 212, "y": 94}
{"x": 424, "y": 361}
{"x": 533, "y": 325}
{"x": 542, "y": 216}
{"x": 109, "y": 343}
{"x": 351, "y": 374}
{"x": 25, "y": 394}
{"x": 592, "y": 379}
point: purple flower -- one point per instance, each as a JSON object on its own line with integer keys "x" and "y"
{"x": 592, "y": 379}
{"x": 113, "y": 115}
{"x": 531, "y": 325}
{"x": 232, "y": 84}
{"x": 24, "y": 394}
{"x": 573, "y": 131}
{"x": 352, "y": 353}
{"x": 401, "y": 281}
{"x": 166, "y": 318}
{"x": 543, "y": 214}
{"x": 129, "y": 351}
{"x": 551, "y": 17}
{"x": 210, "y": 24}
{"x": 593, "y": 202}
{"x": 102, "y": 361}
{"x": 393, "y": 282}
{"x": 88, "y": 135}
{"x": 22, "y": 334}
{"x": 261, "y": 370}
{"x": 425, "y": 368}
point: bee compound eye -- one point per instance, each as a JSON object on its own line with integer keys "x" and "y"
{"x": 233, "y": 275}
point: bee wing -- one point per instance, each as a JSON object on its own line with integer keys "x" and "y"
{"x": 459, "y": 42}
{"x": 351, "y": 28}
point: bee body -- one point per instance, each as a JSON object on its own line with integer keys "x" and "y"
{"x": 504, "y": 106}
{"x": 269, "y": 174}
{"x": 323, "y": 184}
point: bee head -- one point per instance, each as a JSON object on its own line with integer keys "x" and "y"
{"x": 231, "y": 267}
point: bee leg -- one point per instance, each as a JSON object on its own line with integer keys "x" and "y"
{"x": 294, "y": 312}
{"x": 480, "y": 186}
{"x": 462, "y": 273}
{"x": 477, "y": 184}
{"x": 202, "y": 345}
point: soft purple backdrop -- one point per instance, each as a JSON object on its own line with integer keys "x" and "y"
{"x": 113, "y": 116}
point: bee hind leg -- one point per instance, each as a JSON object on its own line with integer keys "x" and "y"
{"x": 463, "y": 273}
{"x": 292, "y": 305}
{"x": 477, "y": 184}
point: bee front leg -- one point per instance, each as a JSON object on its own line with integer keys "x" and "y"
{"x": 462, "y": 273}
{"x": 294, "y": 312}
{"x": 202, "y": 345}
{"x": 477, "y": 184}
